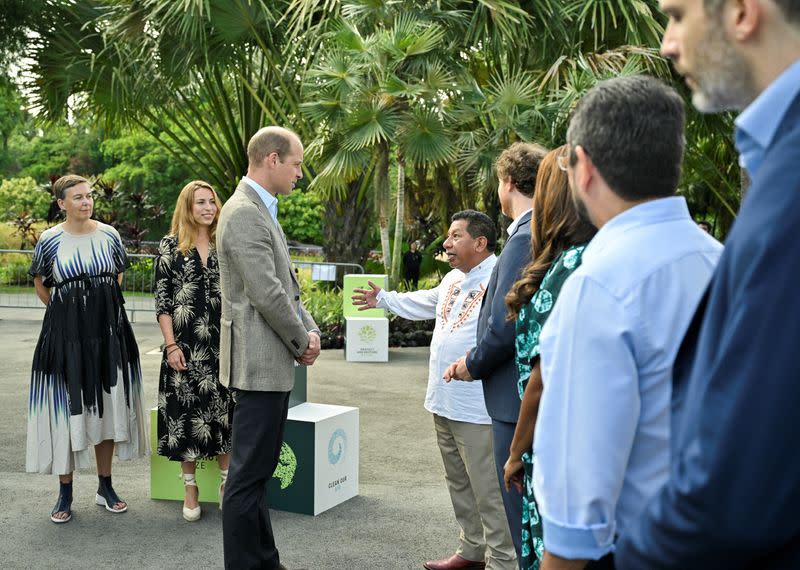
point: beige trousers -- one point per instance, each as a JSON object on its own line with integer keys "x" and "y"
{"x": 471, "y": 478}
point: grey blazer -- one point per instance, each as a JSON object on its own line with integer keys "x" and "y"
{"x": 264, "y": 325}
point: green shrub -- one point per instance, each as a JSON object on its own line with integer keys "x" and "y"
{"x": 139, "y": 276}
{"x": 14, "y": 270}
{"x": 19, "y": 195}
{"x": 325, "y": 306}
{"x": 300, "y": 215}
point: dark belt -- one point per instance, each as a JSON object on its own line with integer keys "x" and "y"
{"x": 86, "y": 279}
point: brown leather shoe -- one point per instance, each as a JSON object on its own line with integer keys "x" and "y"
{"x": 455, "y": 562}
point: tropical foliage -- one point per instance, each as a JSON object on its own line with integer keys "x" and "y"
{"x": 403, "y": 105}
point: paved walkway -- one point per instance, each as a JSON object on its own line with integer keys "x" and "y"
{"x": 402, "y": 516}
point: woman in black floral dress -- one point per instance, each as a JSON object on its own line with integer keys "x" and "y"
{"x": 194, "y": 409}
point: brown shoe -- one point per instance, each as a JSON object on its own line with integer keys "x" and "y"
{"x": 455, "y": 562}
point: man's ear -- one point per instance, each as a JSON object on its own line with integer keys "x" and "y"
{"x": 480, "y": 243}
{"x": 743, "y": 18}
{"x": 583, "y": 172}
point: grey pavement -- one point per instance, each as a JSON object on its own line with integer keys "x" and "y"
{"x": 401, "y": 517}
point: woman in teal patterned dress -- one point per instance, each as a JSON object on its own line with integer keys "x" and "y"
{"x": 558, "y": 238}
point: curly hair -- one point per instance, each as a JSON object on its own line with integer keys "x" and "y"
{"x": 520, "y": 162}
{"x": 555, "y": 227}
{"x": 184, "y": 226}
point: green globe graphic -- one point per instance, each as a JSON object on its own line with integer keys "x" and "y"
{"x": 287, "y": 465}
{"x": 367, "y": 333}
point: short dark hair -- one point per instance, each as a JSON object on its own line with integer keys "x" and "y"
{"x": 789, "y": 8}
{"x": 478, "y": 225}
{"x": 633, "y": 130}
{"x": 520, "y": 162}
{"x": 66, "y": 182}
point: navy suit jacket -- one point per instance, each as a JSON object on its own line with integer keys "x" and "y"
{"x": 492, "y": 360}
{"x": 733, "y": 497}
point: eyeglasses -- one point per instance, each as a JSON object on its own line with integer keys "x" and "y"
{"x": 563, "y": 161}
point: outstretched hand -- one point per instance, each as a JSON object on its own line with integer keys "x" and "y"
{"x": 366, "y": 298}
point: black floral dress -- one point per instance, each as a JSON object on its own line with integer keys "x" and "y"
{"x": 194, "y": 409}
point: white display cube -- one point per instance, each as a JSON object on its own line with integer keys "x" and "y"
{"x": 335, "y": 458}
{"x": 366, "y": 339}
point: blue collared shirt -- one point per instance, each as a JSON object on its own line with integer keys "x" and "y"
{"x": 759, "y": 122}
{"x": 601, "y": 448}
{"x": 270, "y": 201}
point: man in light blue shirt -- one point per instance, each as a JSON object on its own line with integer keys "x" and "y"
{"x": 601, "y": 443}
{"x": 733, "y": 495}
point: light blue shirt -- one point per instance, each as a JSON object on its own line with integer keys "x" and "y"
{"x": 758, "y": 124}
{"x": 601, "y": 448}
{"x": 270, "y": 201}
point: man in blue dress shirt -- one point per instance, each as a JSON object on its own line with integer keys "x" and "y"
{"x": 732, "y": 499}
{"x": 601, "y": 443}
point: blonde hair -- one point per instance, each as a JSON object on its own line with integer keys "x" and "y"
{"x": 184, "y": 227}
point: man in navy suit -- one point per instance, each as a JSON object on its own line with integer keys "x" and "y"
{"x": 733, "y": 496}
{"x": 492, "y": 359}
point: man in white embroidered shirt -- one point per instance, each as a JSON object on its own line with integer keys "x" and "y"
{"x": 601, "y": 443}
{"x": 463, "y": 426}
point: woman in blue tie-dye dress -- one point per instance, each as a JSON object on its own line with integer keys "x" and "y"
{"x": 86, "y": 385}
{"x": 558, "y": 238}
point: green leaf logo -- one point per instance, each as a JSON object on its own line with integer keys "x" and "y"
{"x": 367, "y": 333}
{"x": 287, "y": 465}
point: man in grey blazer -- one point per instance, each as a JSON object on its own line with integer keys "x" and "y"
{"x": 265, "y": 331}
{"x": 492, "y": 358}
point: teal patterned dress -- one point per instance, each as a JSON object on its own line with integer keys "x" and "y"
{"x": 530, "y": 321}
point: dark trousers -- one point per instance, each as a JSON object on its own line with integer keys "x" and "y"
{"x": 502, "y": 434}
{"x": 259, "y": 419}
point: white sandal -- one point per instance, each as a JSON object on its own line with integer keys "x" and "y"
{"x": 191, "y": 515}
{"x": 223, "y": 476}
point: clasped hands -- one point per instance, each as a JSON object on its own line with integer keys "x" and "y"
{"x": 458, "y": 370}
{"x": 312, "y": 352}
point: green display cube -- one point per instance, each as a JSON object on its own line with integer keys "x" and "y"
{"x": 318, "y": 466}
{"x": 165, "y": 475}
{"x": 360, "y": 281}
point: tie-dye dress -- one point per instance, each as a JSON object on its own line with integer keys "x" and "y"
{"x": 86, "y": 384}
{"x": 530, "y": 320}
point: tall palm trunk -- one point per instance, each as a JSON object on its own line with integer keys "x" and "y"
{"x": 399, "y": 221}
{"x": 383, "y": 196}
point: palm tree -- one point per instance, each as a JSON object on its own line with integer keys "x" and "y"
{"x": 201, "y": 76}
{"x": 377, "y": 95}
